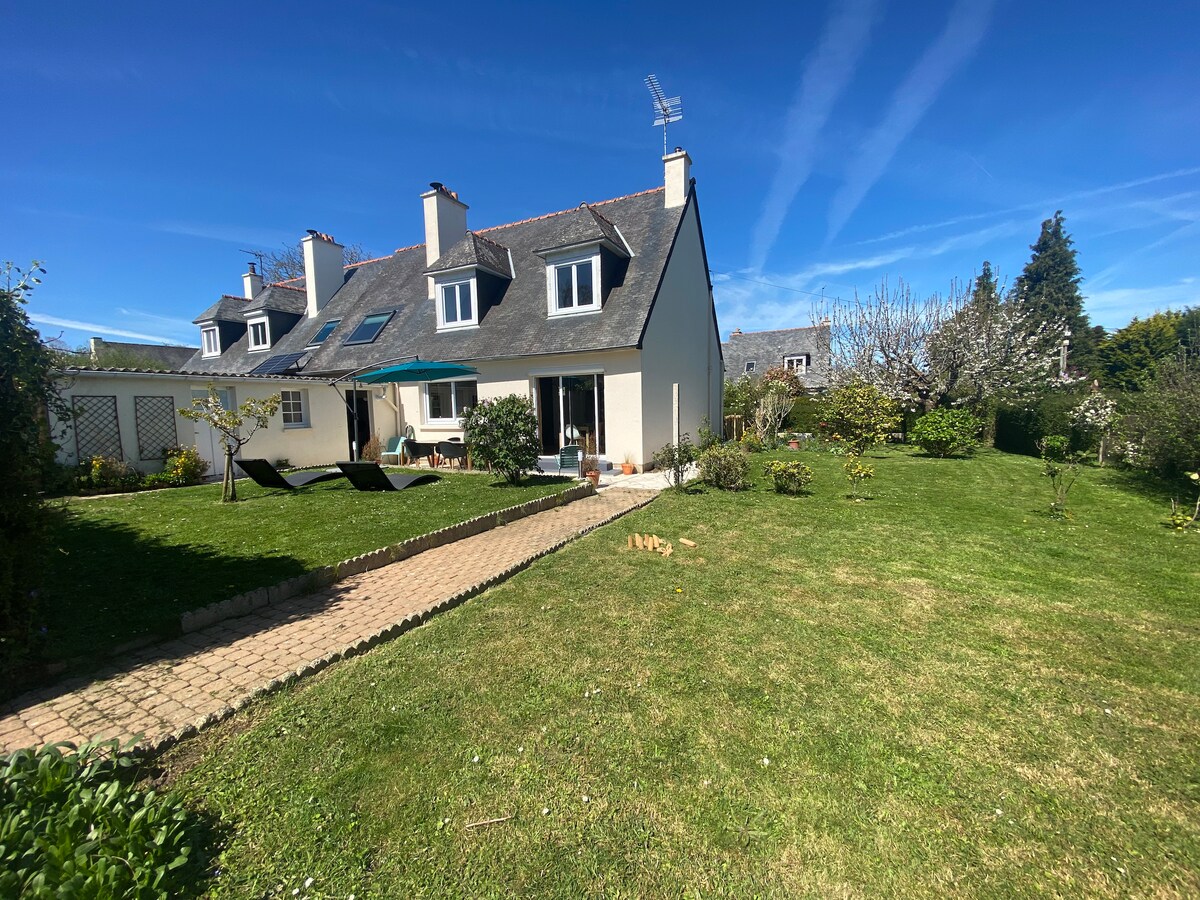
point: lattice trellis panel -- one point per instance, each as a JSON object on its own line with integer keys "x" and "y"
{"x": 155, "y": 420}
{"x": 97, "y": 431}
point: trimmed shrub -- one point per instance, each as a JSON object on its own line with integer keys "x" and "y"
{"x": 1019, "y": 428}
{"x": 751, "y": 442}
{"x": 106, "y": 473}
{"x": 185, "y": 466}
{"x": 947, "y": 432}
{"x": 725, "y": 466}
{"x": 72, "y": 826}
{"x": 789, "y": 477}
{"x": 674, "y": 459}
{"x": 859, "y": 416}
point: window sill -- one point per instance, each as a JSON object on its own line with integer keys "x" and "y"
{"x": 293, "y": 427}
{"x": 458, "y": 327}
{"x": 567, "y": 313}
{"x": 443, "y": 424}
{"x": 256, "y": 349}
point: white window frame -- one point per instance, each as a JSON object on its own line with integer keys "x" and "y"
{"x": 453, "y": 420}
{"x": 208, "y": 332}
{"x": 797, "y": 364}
{"x": 301, "y": 407}
{"x": 454, "y": 282}
{"x": 750, "y": 365}
{"x": 265, "y": 344}
{"x": 552, "y": 266}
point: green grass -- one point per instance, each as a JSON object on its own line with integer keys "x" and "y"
{"x": 957, "y": 695}
{"x": 127, "y": 566}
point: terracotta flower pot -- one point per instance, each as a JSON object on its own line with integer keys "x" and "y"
{"x": 593, "y": 475}
{"x": 627, "y": 468}
{"x": 794, "y": 445}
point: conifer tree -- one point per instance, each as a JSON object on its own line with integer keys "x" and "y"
{"x": 985, "y": 292}
{"x": 1049, "y": 287}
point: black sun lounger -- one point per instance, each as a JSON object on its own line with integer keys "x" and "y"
{"x": 266, "y": 475}
{"x": 367, "y": 476}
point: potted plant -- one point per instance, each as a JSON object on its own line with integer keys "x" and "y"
{"x": 793, "y": 440}
{"x": 589, "y": 463}
{"x": 629, "y": 466}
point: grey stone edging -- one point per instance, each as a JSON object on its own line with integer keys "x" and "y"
{"x": 157, "y": 746}
{"x": 310, "y": 582}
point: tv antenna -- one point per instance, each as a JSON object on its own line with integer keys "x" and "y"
{"x": 666, "y": 109}
{"x": 260, "y": 256}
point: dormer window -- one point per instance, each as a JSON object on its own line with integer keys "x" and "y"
{"x": 797, "y": 364}
{"x": 210, "y": 340}
{"x": 456, "y": 305}
{"x": 574, "y": 285}
{"x": 749, "y": 367}
{"x": 260, "y": 337}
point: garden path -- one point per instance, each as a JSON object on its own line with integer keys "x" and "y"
{"x": 166, "y": 691}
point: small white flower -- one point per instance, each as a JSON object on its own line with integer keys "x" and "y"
{"x": 766, "y": 761}
{"x": 999, "y": 813}
{"x": 586, "y": 798}
{"x": 308, "y": 883}
{"x": 1107, "y": 711}
{"x": 545, "y": 810}
{"x": 475, "y": 759}
{"x": 295, "y": 892}
{"x": 521, "y": 749}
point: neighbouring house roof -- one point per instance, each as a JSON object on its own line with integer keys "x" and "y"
{"x": 474, "y": 250}
{"x": 193, "y": 376}
{"x": 169, "y": 356}
{"x": 227, "y": 309}
{"x": 278, "y": 298}
{"x": 767, "y": 349}
{"x": 516, "y": 324}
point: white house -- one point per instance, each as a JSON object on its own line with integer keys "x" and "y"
{"x": 602, "y": 314}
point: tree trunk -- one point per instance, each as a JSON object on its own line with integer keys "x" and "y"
{"x": 228, "y": 485}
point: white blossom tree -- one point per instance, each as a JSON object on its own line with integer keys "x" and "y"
{"x": 229, "y": 424}
{"x": 940, "y": 349}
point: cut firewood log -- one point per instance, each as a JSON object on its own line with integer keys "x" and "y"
{"x": 668, "y": 550}
{"x": 631, "y": 542}
{"x": 638, "y": 540}
{"x": 688, "y": 543}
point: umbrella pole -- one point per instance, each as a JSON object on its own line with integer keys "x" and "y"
{"x": 354, "y": 403}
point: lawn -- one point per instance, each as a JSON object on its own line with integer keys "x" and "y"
{"x": 937, "y": 691}
{"x": 127, "y": 566}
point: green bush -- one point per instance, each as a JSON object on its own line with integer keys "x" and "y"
{"x": 859, "y": 416}
{"x": 674, "y": 459}
{"x": 789, "y": 477}
{"x": 1019, "y": 428}
{"x": 1166, "y": 419}
{"x": 71, "y": 826}
{"x": 947, "y": 432}
{"x": 805, "y": 416}
{"x": 751, "y": 442}
{"x": 503, "y": 433}
{"x": 706, "y": 436}
{"x": 107, "y": 473}
{"x": 725, "y": 466}
{"x": 185, "y": 466}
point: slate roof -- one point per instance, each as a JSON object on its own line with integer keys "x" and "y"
{"x": 280, "y": 298}
{"x": 515, "y": 326}
{"x": 768, "y": 348}
{"x": 227, "y": 309}
{"x": 474, "y": 250}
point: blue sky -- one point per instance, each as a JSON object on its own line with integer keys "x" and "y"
{"x": 834, "y": 144}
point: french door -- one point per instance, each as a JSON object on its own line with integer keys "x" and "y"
{"x": 570, "y": 411}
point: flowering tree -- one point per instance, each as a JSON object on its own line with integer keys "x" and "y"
{"x": 952, "y": 349}
{"x": 773, "y": 407}
{"x": 229, "y": 423}
{"x": 1096, "y": 416}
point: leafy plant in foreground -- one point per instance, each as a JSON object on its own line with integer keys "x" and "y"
{"x": 725, "y": 466}
{"x": 789, "y": 477}
{"x": 856, "y": 473}
{"x": 502, "y": 433}
{"x": 1181, "y": 519}
{"x": 674, "y": 459}
{"x": 859, "y": 416}
{"x": 72, "y": 826}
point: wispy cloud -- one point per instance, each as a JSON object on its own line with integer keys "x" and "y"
{"x": 1104, "y": 276}
{"x": 173, "y": 322}
{"x": 956, "y": 44}
{"x": 1114, "y": 308}
{"x": 92, "y": 327}
{"x": 230, "y": 234}
{"x": 1058, "y": 202}
{"x": 825, "y": 78}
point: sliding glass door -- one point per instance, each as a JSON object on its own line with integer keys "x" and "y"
{"x": 571, "y": 410}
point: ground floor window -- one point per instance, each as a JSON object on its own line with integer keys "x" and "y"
{"x": 294, "y": 409}
{"x": 446, "y": 401}
{"x": 571, "y": 411}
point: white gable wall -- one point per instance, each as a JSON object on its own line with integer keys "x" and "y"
{"x": 681, "y": 346}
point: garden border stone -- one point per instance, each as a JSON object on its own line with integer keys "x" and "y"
{"x": 324, "y": 576}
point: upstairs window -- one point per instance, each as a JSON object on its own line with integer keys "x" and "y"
{"x": 259, "y": 337}
{"x": 368, "y": 329}
{"x": 326, "y": 330}
{"x": 797, "y": 364}
{"x": 456, "y": 305}
{"x": 574, "y": 285}
{"x": 749, "y": 367}
{"x": 211, "y": 341}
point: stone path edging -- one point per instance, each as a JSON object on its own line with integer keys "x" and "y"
{"x": 323, "y": 577}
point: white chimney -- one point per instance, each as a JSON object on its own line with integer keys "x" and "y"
{"x": 252, "y": 283}
{"x": 323, "y": 272}
{"x": 678, "y": 170}
{"x": 445, "y": 221}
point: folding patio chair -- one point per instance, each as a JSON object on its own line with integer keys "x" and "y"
{"x": 393, "y": 449}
